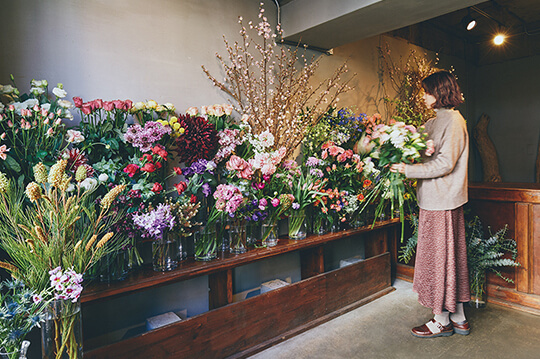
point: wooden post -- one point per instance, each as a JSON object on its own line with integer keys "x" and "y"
{"x": 488, "y": 153}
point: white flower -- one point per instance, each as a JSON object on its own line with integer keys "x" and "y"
{"x": 2, "y": 107}
{"x": 103, "y": 177}
{"x": 71, "y": 187}
{"x": 74, "y": 136}
{"x": 68, "y": 115}
{"x": 266, "y": 139}
{"x": 58, "y": 92}
{"x": 65, "y": 104}
{"x": 36, "y": 91}
{"x": 40, "y": 83}
{"x": 31, "y": 102}
{"x": 7, "y": 89}
{"x": 89, "y": 184}
{"x": 46, "y": 106}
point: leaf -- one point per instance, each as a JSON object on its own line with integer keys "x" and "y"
{"x": 42, "y": 154}
{"x": 12, "y": 164}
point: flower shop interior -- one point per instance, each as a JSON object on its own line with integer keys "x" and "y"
{"x": 197, "y": 178}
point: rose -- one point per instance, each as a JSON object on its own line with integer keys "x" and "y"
{"x": 177, "y": 170}
{"x": 192, "y": 111}
{"x": 78, "y": 102}
{"x": 108, "y": 106}
{"x": 430, "y": 147}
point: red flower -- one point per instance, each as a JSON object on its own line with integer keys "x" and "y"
{"x": 148, "y": 167}
{"x": 131, "y": 169}
{"x": 108, "y": 105}
{"x": 360, "y": 197}
{"x": 86, "y": 108}
{"x": 158, "y": 165}
{"x": 157, "y": 187}
{"x": 181, "y": 187}
{"x": 160, "y": 151}
{"x": 177, "y": 170}
{"x": 147, "y": 157}
{"x": 128, "y": 104}
{"x": 199, "y": 141}
{"x": 193, "y": 199}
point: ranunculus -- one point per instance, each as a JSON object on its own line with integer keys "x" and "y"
{"x": 193, "y": 199}
{"x": 236, "y": 163}
{"x": 177, "y": 170}
{"x": 148, "y": 167}
{"x": 103, "y": 177}
{"x": 147, "y": 157}
{"x": 180, "y": 187}
{"x": 157, "y": 187}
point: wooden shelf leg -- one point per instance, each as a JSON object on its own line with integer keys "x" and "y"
{"x": 312, "y": 262}
{"x": 220, "y": 285}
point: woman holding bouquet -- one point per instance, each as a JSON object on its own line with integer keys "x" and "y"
{"x": 441, "y": 276}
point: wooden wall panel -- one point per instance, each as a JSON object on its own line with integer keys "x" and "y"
{"x": 535, "y": 245}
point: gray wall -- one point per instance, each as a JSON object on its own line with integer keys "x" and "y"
{"x": 510, "y": 94}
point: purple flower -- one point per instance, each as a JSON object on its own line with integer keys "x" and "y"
{"x": 156, "y": 221}
{"x": 295, "y": 205}
{"x": 206, "y": 189}
{"x": 312, "y": 161}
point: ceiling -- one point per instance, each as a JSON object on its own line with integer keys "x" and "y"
{"x": 434, "y": 25}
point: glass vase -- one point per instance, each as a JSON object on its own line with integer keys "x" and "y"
{"x": 478, "y": 289}
{"x": 114, "y": 266}
{"x": 238, "y": 237}
{"x": 205, "y": 243}
{"x": 297, "y": 225}
{"x": 269, "y": 234}
{"x": 61, "y": 331}
{"x": 17, "y": 354}
{"x": 165, "y": 253}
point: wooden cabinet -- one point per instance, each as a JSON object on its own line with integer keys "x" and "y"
{"x": 518, "y": 206}
{"x": 240, "y": 329}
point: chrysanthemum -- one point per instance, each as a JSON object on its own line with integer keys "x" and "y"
{"x": 200, "y": 139}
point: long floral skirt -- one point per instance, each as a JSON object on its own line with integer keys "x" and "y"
{"x": 441, "y": 277}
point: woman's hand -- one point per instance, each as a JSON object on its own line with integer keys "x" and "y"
{"x": 398, "y": 167}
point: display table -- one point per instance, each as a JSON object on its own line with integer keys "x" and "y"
{"x": 240, "y": 329}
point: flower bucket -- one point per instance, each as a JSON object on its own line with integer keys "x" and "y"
{"x": 165, "y": 253}
{"x": 61, "y": 331}
{"x": 297, "y": 225}
{"x": 18, "y": 354}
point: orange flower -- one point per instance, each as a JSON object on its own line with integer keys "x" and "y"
{"x": 367, "y": 183}
{"x": 360, "y": 197}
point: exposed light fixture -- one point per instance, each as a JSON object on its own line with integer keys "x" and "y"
{"x": 468, "y": 21}
{"x": 499, "y": 39}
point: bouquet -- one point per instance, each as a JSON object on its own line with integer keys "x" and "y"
{"x": 393, "y": 143}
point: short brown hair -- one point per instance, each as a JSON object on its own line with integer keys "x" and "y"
{"x": 443, "y": 86}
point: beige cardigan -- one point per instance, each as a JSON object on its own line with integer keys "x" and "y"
{"x": 442, "y": 178}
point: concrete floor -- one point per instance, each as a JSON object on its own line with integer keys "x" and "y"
{"x": 381, "y": 329}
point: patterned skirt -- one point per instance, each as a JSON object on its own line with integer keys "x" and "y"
{"x": 441, "y": 277}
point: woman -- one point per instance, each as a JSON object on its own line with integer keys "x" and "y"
{"x": 440, "y": 274}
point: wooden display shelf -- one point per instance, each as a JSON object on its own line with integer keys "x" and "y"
{"x": 243, "y": 328}
{"x": 147, "y": 278}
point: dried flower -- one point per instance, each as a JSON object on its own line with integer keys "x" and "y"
{"x": 91, "y": 242}
{"x": 104, "y": 239}
{"x": 56, "y": 174}
{"x": 111, "y": 196}
{"x": 33, "y": 191}
{"x": 4, "y": 183}
{"x": 40, "y": 173}
{"x": 80, "y": 174}
{"x": 40, "y": 234}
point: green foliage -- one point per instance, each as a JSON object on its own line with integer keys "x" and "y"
{"x": 407, "y": 251}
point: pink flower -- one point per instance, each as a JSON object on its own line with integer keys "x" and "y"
{"x": 192, "y": 111}
{"x": 177, "y": 170}
{"x": 268, "y": 169}
{"x": 275, "y": 202}
{"x": 78, "y": 102}
{"x": 108, "y": 105}
{"x": 3, "y": 150}
{"x": 86, "y": 108}
{"x": 131, "y": 169}
{"x": 148, "y": 167}
{"x": 430, "y": 147}
{"x": 118, "y": 104}
{"x": 128, "y": 104}
{"x": 181, "y": 187}
{"x": 74, "y": 136}
{"x": 335, "y": 150}
{"x": 236, "y": 163}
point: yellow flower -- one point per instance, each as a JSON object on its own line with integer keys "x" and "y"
{"x": 173, "y": 119}
{"x": 182, "y": 130}
{"x": 164, "y": 123}
{"x": 40, "y": 173}
{"x": 406, "y": 196}
{"x": 56, "y": 174}
{"x": 80, "y": 174}
{"x": 176, "y": 126}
